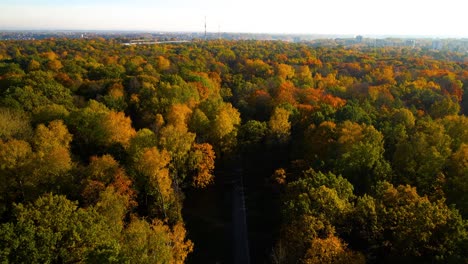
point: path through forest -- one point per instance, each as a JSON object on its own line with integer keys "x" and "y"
{"x": 239, "y": 219}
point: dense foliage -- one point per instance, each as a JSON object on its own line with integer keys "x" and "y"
{"x": 99, "y": 141}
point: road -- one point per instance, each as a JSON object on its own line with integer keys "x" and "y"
{"x": 239, "y": 219}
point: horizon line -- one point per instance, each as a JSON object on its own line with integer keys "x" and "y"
{"x": 373, "y": 35}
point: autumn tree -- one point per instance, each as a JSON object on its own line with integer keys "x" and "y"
{"x": 315, "y": 207}
{"x": 16, "y": 182}
{"x": 97, "y": 127}
{"x": 279, "y": 125}
{"x": 14, "y": 124}
{"x": 331, "y": 250}
{"x": 178, "y": 142}
{"x": 52, "y": 145}
{"x": 155, "y": 183}
{"x": 155, "y": 242}
{"x": 224, "y": 128}
{"x": 360, "y": 155}
{"x": 202, "y": 162}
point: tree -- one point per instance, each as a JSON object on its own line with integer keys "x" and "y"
{"x": 115, "y": 97}
{"x": 51, "y": 230}
{"x": 28, "y": 170}
{"x": 156, "y": 184}
{"x": 304, "y": 76}
{"x": 118, "y": 127}
{"x": 284, "y": 71}
{"x": 224, "y": 128}
{"x": 104, "y": 173}
{"x": 455, "y": 126}
{"x": 315, "y": 206}
{"x": 155, "y": 243}
{"x": 420, "y": 158}
{"x": 34, "y": 65}
{"x": 178, "y": 142}
{"x": 199, "y": 124}
{"x": 162, "y": 63}
{"x": 14, "y": 124}
{"x": 54, "y": 65}
{"x": 143, "y": 139}
{"x": 257, "y": 68}
{"x": 403, "y": 116}
{"x": 446, "y": 106}
{"x": 280, "y": 127}
{"x": 202, "y": 162}
{"x": 360, "y": 155}
{"x": 252, "y": 134}
{"x": 413, "y": 226}
{"x": 331, "y": 250}
{"x": 95, "y": 126}
{"x": 320, "y": 143}
{"x": 52, "y": 144}
{"x": 47, "y": 113}
{"x": 178, "y": 116}
{"x": 354, "y": 113}
{"x": 16, "y": 158}
{"x": 146, "y": 243}
{"x": 457, "y": 179}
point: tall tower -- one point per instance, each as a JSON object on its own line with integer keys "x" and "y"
{"x": 205, "y": 27}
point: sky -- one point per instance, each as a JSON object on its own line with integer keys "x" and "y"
{"x": 444, "y": 18}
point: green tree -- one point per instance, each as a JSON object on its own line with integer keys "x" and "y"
{"x": 360, "y": 155}
{"x": 14, "y": 124}
{"x": 52, "y": 230}
{"x": 457, "y": 180}
{"x": 412, "y": 226}
{"x": 314, "y": 207}
{"x": 252, "y": 134}
{"x": 420, "y": 158}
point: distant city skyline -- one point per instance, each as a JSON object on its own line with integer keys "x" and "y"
{"x": 360, "y": 17}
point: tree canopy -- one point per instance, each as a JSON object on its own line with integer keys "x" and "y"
{"x": 348, "y": 154}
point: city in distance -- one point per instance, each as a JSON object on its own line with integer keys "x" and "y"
{"x": 398, "y": 18}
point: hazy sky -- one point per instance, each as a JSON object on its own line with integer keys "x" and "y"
{"x": 366, "y": 17}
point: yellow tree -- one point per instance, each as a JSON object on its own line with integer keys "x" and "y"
{"x": 178, "y": 142}
{"x": 52, "y": 144}
{"x": 224, "y": 128}
{"x": 162, "y": 63}
{"x": 54, "y": 65}
{"x": 155, "y": 243}
{"x": 280, "y": 127}
{"x": 180, "y": 246}
{"x": 118, "y": 127}
{"x": 152, "y": 164}
{"x": 331, "y": 250}
{"x": 16, "y": 158}
{"x": 107, "y": 182}
{"x": 202, "y": 161}
{"x": 178, "y": 116}
{"x": 284, "y": 71}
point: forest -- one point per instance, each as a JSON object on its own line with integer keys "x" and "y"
{"x": 348, "y": 154}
